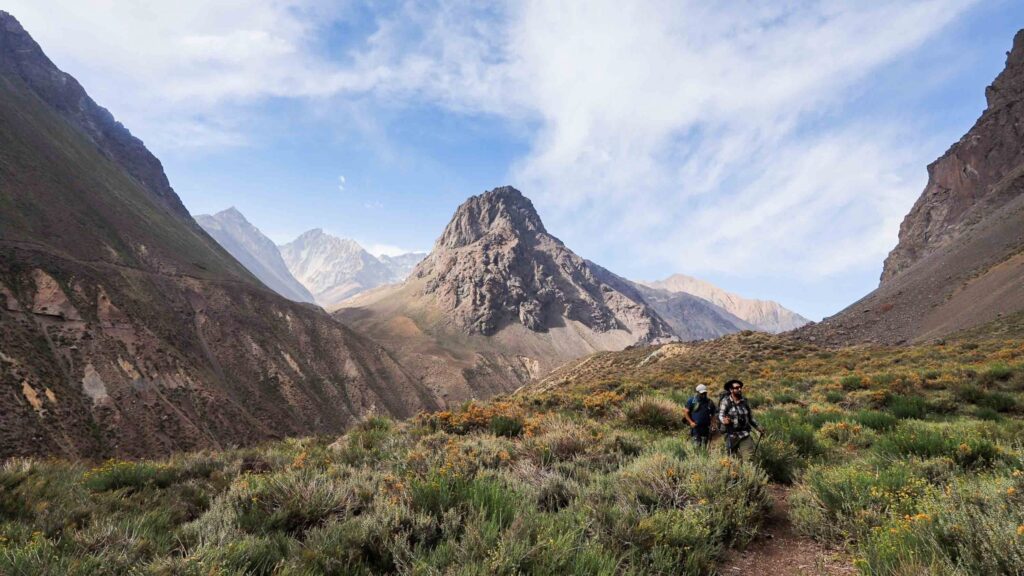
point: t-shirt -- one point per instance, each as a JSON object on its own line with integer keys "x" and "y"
{"x": 701, "y": 410}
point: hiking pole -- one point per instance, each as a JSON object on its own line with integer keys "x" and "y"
{"x": 757, "y": 444}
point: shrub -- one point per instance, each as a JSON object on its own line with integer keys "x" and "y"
{"x": 780, "y": 460}
{"x": 834, "y": 396}
{"x": 508, "y": 426}
{"x": 907, "y": 406}
{"x": 294, "y": 501}
{"x": 785, "y": 398}
{"x": 997, "y": 372}
{"x": 876, "y": 420}
{"x": 999, "y": 401}
{"x": 851, "y": 382}
{"x": 655, "y": 412}
{"x": 115, "y": 474}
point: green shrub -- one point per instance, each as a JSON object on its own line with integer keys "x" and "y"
{"x": 997, "y": 372}
{"x": 785, "y": 398}
{"x": 851, "y": 382}
{"x": 907, "y": 406}
{"x": 876, "y": 420}
{"x": 655, "y": 412}
{"x": 779, "y": 459}
{"x": 999, "y": 401}
{"x": 834, "y": 396}
{"x": 116, "y": 474}
{"x": 507, "y": 426}
{"x": 295, "y": 501}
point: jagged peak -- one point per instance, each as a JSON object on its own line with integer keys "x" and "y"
{"x": 503, "y": 210}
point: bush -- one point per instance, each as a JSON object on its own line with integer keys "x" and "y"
{"x": 999, "y": 401}
{"x": 656, "y": 412}
{"x": 834, "y": 396}
{"x": 879, "y": 421}
{"x": 908, "y": 406}
{"x": 115, "y": 474}
{"x": 507, "y": 426}
{"x": 297, "y": 500}
{"x": 851, "y": 382}
{"x": 780, "y": 460}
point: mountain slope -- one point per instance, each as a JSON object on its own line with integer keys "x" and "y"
{"x": 333, "y": 268}
{"x": 124, "y": 328}
{"x": 691, "y": 317}
{"x": 960, "y": 258}
{"x": 255, "y": 251}
{"x": 499, "y": 301}
{"x": 761, "y": 315}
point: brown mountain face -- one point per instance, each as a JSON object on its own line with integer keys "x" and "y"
{"x": 124, "y": 329}
{"x": 499, "y": 301}
{"x": 960, "y": 258}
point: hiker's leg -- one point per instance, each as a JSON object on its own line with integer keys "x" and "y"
{"x": 745, "y": 448}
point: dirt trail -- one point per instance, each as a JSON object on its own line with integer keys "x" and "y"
{"x": 780, "y": 551}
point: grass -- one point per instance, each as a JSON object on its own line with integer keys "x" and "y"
{"x": 914, "y": 466}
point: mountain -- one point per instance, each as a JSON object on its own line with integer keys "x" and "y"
{"x": 499, "y": 301}
{"x": 402, "y": 265}
{"x": 255, "y": 251}
{"x": 333, "y": 268}
{"x": 763, "y": 315}
{"x": 959, "y": 262}
{"x": 691, "y": 317}
{"x": 126, "y": 330}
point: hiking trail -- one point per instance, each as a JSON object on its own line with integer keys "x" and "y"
{"x": 779, "y": 550}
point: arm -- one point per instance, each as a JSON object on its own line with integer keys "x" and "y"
{"x": 722, "y": 415}
{"x": 686, "y": 414}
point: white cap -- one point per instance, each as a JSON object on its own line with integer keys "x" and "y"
{"x": 701, "y": 388}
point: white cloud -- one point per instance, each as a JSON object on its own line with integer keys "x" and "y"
{"x": 341, "y": 183}
{"x": 702, "y": 136}
{"x": 379, "y": 250}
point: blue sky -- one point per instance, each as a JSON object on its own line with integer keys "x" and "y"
{"x": 772, "y": 149}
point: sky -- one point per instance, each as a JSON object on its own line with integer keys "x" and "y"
{"x": 769, "y": 148}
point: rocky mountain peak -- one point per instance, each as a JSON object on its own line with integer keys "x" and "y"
{"x": 966, "y": 184}
{"x": 496, "y": 265}
{"x": 502, "y": 212}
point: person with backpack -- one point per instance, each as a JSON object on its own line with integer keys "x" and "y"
{"x": 737, "y": 420}
{"x": 700, "y": 413}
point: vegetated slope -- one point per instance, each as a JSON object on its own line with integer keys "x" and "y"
{"x": 904, "y": 456}
{"x": 255, "y": 251}
{"x": 763, "y": 315}
{"x": 499, "y": 301}
{"x": 960, "y": 259}
{"x": 124, "y": 328}
{"x": 334, "y": 269}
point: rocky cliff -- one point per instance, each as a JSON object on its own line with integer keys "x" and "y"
{"x": 960, "y": 258}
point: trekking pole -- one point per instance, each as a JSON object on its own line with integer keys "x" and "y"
{"x": 757, "y": 444}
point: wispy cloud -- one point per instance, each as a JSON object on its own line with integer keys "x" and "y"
{"x": 699, "y": 136}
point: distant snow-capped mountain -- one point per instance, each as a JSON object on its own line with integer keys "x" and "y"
{"x": 255, "y": 251}
{"x": 334, "y": 269}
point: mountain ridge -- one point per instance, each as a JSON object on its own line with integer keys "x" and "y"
{"x": 255, "y": 251}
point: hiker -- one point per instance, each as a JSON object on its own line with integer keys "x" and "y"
{"x": 737, "y": 418}
{"x": 700, "y": 413}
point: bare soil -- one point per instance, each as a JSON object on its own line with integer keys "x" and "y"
{"x": 780, "y": 550}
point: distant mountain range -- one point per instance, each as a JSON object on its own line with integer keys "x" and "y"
{"x": 334, "y": 269}
{"x": 315, "y": 267}
{"x": 255, "y": 251}
{"x": 762, "y": 315}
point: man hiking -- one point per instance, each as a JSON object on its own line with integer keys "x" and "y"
{"x": 700, "y": 413}
{"x": 737, "y": 420}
